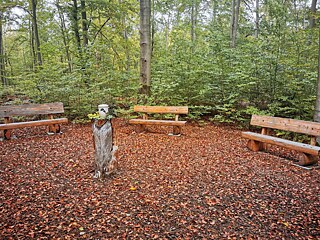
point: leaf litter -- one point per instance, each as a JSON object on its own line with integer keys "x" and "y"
{"x": 204, "y": 184}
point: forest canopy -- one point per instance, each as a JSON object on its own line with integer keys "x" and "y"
{"x": 224, "y": 59}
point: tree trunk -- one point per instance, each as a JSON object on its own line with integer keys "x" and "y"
{"x": 313, "y": 13}
{"x": 36, "y": 32}
{"x": 32, "y": 50}
{"x": 84, "y": 24}
{"x": 214, "y": 11}
{"x": 75, "y": 26}
{"x": 64, "y": 35}
{"x": 145, "y": 48}
{"x": 316, "y": 116}
{"x": 104, "y": 149}
{"x": 234, "y": 21}
{"x": 193, "y": 21}
{"x": 256, "y": 31}
{"x": 2, "y": 56}
{"x": 125, "y": 38}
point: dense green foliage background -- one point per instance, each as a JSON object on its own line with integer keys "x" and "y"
{"x": 273, "y": 73}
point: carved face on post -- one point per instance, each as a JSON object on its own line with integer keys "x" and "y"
{"x": 103, "y": 110}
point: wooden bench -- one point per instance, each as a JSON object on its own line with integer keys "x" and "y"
{"x": 260, "y": 141}
{"x": 49, "y": 109}
{"x": 161, "y": 110}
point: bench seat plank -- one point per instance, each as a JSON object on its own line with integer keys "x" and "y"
{"x": 44, "y": 122}
{"x": 157, "y": 122}
{"x": 302, "y": 147}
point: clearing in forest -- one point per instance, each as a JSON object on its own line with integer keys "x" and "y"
{"x": 203, "y": 184}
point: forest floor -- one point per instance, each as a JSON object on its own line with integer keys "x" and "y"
{"x": 204, "y": 184}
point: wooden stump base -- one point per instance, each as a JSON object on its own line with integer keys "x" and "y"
{"x": 307, "y": 159}
{"x": 55, "y": 128}
{"x": 254, "y": 145}
{"x": 104, "y": 150}
{"x": 140, "y": 128}
{"x": 7, "y": 134}
{"x": 176, "y": 130}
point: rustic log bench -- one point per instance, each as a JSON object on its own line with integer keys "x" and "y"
{"x": 49, "y": 109}
{"x": 309, "y": 152}
{"x": 161, "y": 110}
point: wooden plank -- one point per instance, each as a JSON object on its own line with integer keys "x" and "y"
{"x": 31, "y": 109}
{"x": 33, "y": 123}
{"x": 157, "y": 122}
{"x": 287, "y": 124}
{"x": 301, "y": 147}
{"x": 162, "y": 109}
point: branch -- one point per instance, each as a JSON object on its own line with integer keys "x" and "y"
{"x": 100, "y": 29}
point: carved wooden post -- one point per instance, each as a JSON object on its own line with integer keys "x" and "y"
{"x": 103, "y": 145}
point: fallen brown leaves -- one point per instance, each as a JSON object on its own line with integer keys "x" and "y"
{"x": 203, "y": 185}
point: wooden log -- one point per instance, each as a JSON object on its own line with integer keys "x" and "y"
{"x": 44, "y": 122}
{"x": 300, "y": 147}
{"x": 104, "y": 149}
{"x": 307, "y": 159}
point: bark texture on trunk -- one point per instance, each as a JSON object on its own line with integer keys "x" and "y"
{"x": 104, "y": 149}
{"x": 313, "y": 13}
{"x": 316, "y": 116}
{"x": 84, "y": 24}
{"x": 145, "y": 46}
{"x": 36, "y": 32}
{"x": 2, "y": 57}
{"x": 234, "y": 21}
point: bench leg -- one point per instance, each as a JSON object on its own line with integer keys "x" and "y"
{"x": 7, "y": 134}
{"x": 140, "y": 128}
{"x": 307, "y": 159}
{"x": 176, "y": 130}
{"x": 254, "y": 145}
{"x": 55, "y": 128}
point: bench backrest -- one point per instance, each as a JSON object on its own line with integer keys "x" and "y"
{"x": 162, "y": 109}
{"x": 287, "y": 124}
{"x": 31, "y": 109}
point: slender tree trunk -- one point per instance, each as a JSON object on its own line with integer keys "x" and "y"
{"x": 2, "y": 55}
{"x": 234, "y": 21}
{"x": 64, "y": 35}
{"x": 193, "y": 21}
{"x": 233, "y": 13}
{"x": 36, "y": 32}
{"x": 313, "y": 12}
{"x": 32, "y": 46}
{"x": 84, "y": 23}
{"x": 214, "y": 11}
{"x": 75, "y": 25}
{"x": 145, "y": 47}
{"x": 316, "y": 115}
{"x": 167, "y": 32}
{"x": 256, "y": 32}
{"x": 153, "y": 27}
{"x": 125, "y": 38}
